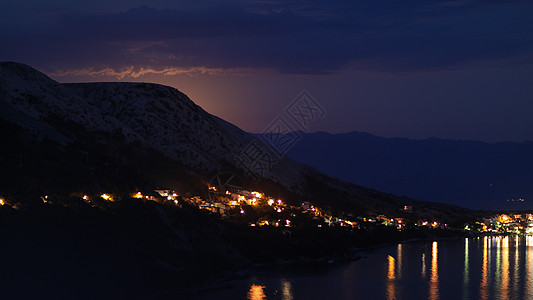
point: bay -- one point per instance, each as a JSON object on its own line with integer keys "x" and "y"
{"x": 491, "y": 267}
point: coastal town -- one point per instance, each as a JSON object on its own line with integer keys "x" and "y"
{"x": 258, "y": 209}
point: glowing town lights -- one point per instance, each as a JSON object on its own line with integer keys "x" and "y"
{"x": 106, "y": 197}
{"x": 85, "y": 197}
{"x": 504, "y": 218}
{"x": 45, "y": 199}
{"x": 138, "y": 195}
{"x": 279, "y": 210}
{"x": 279, "y": 201}
{"x": 257, "y": 194}
{"x": 227, "y": 193}
{"x": 242, "y": 211}
{"x": 270, "y": 202}
{"x": 169, "y": 198}
{"x": 263, "y": 223}
{"x": 176, "y": 202}
{"x": 174, "y": 195}
{"x": 2, "y": 202}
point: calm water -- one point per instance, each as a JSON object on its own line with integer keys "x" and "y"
{"x": 480, "y": 268}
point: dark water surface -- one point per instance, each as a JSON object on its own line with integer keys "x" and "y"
{"x": 478, "y": 268}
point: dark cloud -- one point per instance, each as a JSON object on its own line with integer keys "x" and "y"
{"x": 316, "y": 37}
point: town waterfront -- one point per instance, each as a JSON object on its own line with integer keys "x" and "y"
{"x": 490, "y": 267}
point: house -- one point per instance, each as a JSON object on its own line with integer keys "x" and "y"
{"x": 407, "y": 208}
{"x": 164, "y": 193}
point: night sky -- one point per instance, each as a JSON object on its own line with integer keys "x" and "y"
{"x": 448, "y": 69}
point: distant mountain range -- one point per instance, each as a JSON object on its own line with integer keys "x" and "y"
{"x": 470, "y": 174}
{"x": 67, "y": 138}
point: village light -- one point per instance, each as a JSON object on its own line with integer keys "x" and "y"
{"x": 106, "y": 197}
{"x": 138, "y": 195}
{"x": 2, "y": 202}
{"x": 270, "y": 202}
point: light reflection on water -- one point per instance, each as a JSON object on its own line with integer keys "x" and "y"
{"x": 256, "y": 292}
{"x": 480, "y": 268}
{"x": 434, "y": 278}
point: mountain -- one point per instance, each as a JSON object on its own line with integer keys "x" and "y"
{"x": 470, "y": 174}
{"x": 121, "y": 136}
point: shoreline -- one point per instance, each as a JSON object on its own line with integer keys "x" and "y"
{"x": 354, "y": 255}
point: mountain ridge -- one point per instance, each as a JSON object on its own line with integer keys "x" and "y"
{"x": 475, "y": 174}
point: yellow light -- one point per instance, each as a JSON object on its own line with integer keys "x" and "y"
{"x": 2, "y": 202}
{"x": 106, "y": 197}
{"x": 138, "y": 195}
{"x": 85, "y": 197}
{"x": 270, "y": 202}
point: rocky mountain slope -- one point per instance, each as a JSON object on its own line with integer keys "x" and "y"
{"x": 131, "y": 134}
